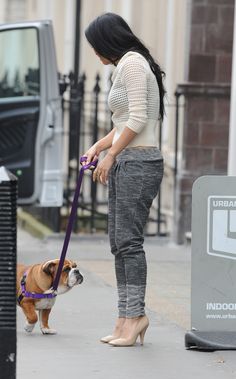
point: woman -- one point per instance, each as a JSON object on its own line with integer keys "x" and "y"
{"x": 133, "y": 165}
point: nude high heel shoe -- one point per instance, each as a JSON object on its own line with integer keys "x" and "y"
{"x": 140, "y": 331}
{"x": 117, "y": 332}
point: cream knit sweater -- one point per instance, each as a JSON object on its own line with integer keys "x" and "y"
{"x": 134, "y": 100}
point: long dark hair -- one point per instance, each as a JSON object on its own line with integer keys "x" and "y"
{"x": 111, "y": 37}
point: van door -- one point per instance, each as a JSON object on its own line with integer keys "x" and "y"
{"x": 30, "y": 112}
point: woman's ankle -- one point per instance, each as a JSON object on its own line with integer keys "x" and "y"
{"x": 120, "y": 321}
{"x": 136, "y": 317}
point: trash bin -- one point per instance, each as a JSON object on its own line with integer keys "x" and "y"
{"x": 213, "y": 271}
{"x": 8, "y": 206}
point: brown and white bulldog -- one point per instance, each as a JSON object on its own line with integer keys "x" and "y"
{"x": 39, "y": 279}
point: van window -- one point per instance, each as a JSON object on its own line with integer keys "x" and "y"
{"x": 19, "y": 63}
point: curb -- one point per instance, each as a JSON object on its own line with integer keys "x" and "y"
{"x": 27, "y": 222}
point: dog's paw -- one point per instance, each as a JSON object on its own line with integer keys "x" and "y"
{"x": 48, "y": 331}
{"x": 29, "y": 327}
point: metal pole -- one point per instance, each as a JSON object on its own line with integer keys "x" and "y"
{"x": 74, "y": 120}
{"x": 79, "y": 102}
{"x": 159, "y": 194}
{"x": 74, "y": 117}
{"x": 96, "y": 91}
{"x": 232, "y": 126}
{"x": 77, "y": 40}
{"x": 176, "y": 137}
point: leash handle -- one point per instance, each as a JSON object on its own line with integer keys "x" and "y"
{"x": 92, "y": 165}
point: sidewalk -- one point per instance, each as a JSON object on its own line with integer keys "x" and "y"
{"x": 88, "y": 312}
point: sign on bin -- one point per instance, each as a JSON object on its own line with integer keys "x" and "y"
{"x": 213, "y": 273}
{"x": 222, "y": 226}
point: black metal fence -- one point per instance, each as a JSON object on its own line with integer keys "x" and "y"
{"x": 87, "y": 119}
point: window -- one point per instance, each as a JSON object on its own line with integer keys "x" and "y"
{"x": 19, "y": 63}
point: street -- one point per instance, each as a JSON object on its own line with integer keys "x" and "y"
{"x": 88, "y": 312}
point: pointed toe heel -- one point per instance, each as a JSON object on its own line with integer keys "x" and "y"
{"x": 107, "y": 339}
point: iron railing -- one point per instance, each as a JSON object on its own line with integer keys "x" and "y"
{"x": 87, "y": 119}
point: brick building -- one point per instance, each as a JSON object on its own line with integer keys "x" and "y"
{"x": 207, "y": 102}
{"x": 192, "y": 41}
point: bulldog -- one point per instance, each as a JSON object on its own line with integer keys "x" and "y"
{"x": 37, "y": 280}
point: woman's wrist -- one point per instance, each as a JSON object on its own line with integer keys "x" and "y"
{"x": 98, "y": 147}
{"x": 112, "y": 154}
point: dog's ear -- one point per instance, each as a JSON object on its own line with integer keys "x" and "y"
{"x": 49, "y": 267}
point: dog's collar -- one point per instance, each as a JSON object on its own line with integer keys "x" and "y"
{"x": 33, "y": 295}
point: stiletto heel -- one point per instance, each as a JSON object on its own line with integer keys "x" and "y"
{"x": 142, "y": 334}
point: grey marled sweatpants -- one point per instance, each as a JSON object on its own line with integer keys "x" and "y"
{"x": 134, "y": 181}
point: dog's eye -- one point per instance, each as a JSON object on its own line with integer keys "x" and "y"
{"x": 67, "y": 269}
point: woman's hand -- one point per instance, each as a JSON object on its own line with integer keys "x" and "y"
{"x": 101, "y": 172}
{"x": 101, "y": 145}
{"x": 92, "y": 154}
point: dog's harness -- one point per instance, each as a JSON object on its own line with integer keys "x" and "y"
{"x": 33, "y": 295}
{"x": 69, "y": 228}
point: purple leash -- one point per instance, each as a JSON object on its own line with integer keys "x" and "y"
{"x": 72, "y": 216}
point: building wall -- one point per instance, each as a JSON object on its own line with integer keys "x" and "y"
{"x": 161, "y": 24}
{"x": 61, "y": 12}
{"x": 206, "y": 125}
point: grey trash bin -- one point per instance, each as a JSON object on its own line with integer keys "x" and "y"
{"x": 8, "y": 206}
{"x": 213, "y": 276}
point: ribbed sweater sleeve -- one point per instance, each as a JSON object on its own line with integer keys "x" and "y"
{"x": 134, "y": 78}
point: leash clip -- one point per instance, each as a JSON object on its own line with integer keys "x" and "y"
{"x": 52, "y": 292}
{"x": 23, "y": 279}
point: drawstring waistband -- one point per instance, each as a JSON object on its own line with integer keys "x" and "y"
{"x": 140, "y": 153}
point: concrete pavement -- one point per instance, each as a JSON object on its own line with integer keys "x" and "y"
{"x": 88, "y": 312}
